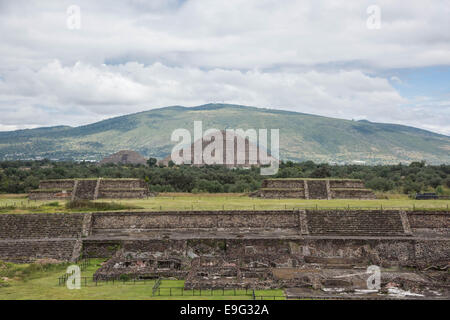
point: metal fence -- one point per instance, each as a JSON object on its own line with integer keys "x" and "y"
{"x": 174, "y": 291}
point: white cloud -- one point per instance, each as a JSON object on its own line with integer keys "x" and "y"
{"x": 308, "y": 56}
{"x": 110, "y": 90}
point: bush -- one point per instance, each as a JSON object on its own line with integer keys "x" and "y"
{"x": 87, "y": 205}
{"x": 411, "y": 187}
{"x": 53, "y": 204}
{"x": 380, "y": 184}
{"x": 3, "y": 283}
{"x": 125, "y": 277}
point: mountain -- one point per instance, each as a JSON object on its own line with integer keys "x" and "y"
{"x": 302, "y": 136}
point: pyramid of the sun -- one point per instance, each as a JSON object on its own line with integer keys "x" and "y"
{"x": 125, "y": 157}
{"x": 315, "y": 189}
{"x": 244, "y": 155}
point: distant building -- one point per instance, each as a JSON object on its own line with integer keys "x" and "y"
{"x": 125, "y": 157}
{"x": 232, "y": 139}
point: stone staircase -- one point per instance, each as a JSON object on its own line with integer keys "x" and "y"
{"x": 353, "y": 223}
{"x": 85, "y": 189}
{"x": 317, "y": 189}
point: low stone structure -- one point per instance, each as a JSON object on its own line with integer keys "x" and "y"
{"x": 90, "y": 189}
{"x": 314, "y": 189}
{"x": 125, "y": 157}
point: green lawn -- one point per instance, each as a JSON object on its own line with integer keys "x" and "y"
{"x": 20, "y": 204}
{"x": 44, "y": 285}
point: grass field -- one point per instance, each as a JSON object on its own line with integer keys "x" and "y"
{"x": 174, "y": 202}
{"x": 38, "y": 284}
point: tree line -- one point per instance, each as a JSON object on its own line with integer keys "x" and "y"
{"x": 23, "y": 176}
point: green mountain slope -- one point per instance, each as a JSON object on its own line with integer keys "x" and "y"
{"x": 302, "y": 136}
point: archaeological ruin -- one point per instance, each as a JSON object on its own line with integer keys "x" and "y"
{"x": 90, "y": 189}
{"x": 303, "y": 250}
{"x": 237, "y": 151}
{"x": 124, "y": 157}
{"x": 301, "y": 188}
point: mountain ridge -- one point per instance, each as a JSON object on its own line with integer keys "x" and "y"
{"x": 302, "y": 136}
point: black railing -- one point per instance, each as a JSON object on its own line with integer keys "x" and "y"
{"x": 168, "y": 291}
{"x": 83, "y": 263}
{"x": 156, "y": 286}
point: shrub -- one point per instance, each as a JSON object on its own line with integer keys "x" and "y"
{"x": 87, "y": 205}
{"x": 125, "y": 277}
{"x": 53, "y": 204}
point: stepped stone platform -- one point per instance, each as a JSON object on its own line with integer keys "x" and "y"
{"x": 314, "y": 189}
{"x": 238, "y": 249}
{"x": 90, "y": 189}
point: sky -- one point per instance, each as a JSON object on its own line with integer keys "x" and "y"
{"x": 77, "y": 62}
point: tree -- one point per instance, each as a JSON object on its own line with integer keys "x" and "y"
{"x": 380, "y": 184}
{"x": 152, "y": 162}
{"x": 323, "y": 171}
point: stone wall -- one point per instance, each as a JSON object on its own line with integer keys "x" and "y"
{"x": 57, "y": 184}
{"x": 378, "y": 251}
{"x": 349, "y": 193}
{"x": 282, "y": 193}
{"x": 371, "y": 236}
{"x": 40, "y": 226}
{"x": 20, "y": 251}
{"x": 283, "y": 183}
{"x": 341, "y": 222}
{"x": 122, "y": 193}
{"x": 429, "y": 221}
{"x": 100, "y": 248}
{"x": 122, "y": 184}
{"x": 195, "y": 219}
{"x": 51, "y": 195}
{"x": 338, "y": 183}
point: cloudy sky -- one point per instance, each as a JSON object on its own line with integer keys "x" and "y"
{"x": 321, "y": 57}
